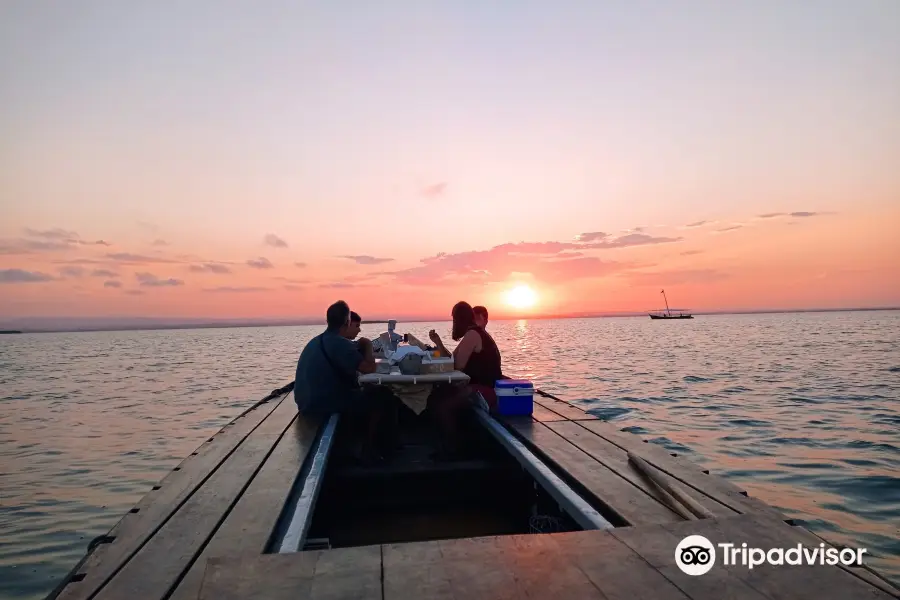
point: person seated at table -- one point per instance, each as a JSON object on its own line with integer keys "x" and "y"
{"x": 481, "y": 316}
{"x": 326, "y": 382}
{"x": 476, "y": 355}
{"x": 352, "y": 330}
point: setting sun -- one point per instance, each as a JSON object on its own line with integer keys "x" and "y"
{"x": 521, "y": 297}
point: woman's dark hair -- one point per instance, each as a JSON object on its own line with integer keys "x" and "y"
{"x": 463, "y": 319}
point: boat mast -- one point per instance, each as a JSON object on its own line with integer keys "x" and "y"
{"x": 663, "y": 292}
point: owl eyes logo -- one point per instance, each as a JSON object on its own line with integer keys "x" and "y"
{"x": 695, "y": 555}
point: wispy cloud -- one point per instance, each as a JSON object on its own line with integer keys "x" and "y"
{"x": 51, "y": 234}
{"x": 138, "y": 259}
{"x": 151, "y": 280}
{"x": 273, "y": 240}
{"x": 434, "y": 190}
{"x": 804, "y": 213}
{"x": 300, "y": 265}
{"x": 260, "y": 263}
{"x": 159, "y": 242}
{"x": 103, "y": 273}
{"x": 365, "y": 259}
{"x": 112, "y": 284}
{"x": 235, "y": 289}
{"x": 72, "y": 272}
{"x": 771, "y": 215}
{"x": 293, "y": 287}
{"x": 691, "y": 252}
{"x": 343, "y": 285}
{"x": 591, "y": 236}
{"x": 729, "y": 228}
{"x": 134, "y": 292}
{"x": 697, "y": 224}
{"x": 22, "y": 276}
{"x": 216, "y": 268}
{"x": 797, "y": 213}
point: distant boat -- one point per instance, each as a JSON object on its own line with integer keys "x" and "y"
{"x": 669, "y": 314}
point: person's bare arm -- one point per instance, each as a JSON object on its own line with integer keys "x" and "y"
{"x": 469, "y": 344}
{"x": 367, "y": 365}
{"x": 434, "y": 337}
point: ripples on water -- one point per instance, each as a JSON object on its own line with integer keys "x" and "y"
{"x": 801, "y": 410}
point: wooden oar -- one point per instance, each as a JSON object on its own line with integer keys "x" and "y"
{"x": 675, "y": 491}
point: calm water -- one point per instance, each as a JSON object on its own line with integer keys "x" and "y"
{"x": 801, "y": 410}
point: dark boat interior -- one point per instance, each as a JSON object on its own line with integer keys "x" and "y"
{"x": 415, "y": 498}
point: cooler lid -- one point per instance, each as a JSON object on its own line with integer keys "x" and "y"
{"x": 513, "y": 383}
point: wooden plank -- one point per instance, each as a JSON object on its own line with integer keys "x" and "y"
{"x": 712, "y": 486}
{"x": 564, "y": 409}
{"x": 616, "y": 460}
{"x": 247, "y": 528}
{"x": 157, "y": 506}
{"x": 622, "y": 498}
{"x": 613, "y": 567}
{"x": 416, "y": 570}
{"x": 160, "y": 563}
{"x": 545, "y": 415}
{"x": 635, "y": 443}
{"x": 347, "y": 573}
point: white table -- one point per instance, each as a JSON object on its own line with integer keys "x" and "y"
{"x": 413, "y": 390}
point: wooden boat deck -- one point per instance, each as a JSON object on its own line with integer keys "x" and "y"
{"x": 204, "y": 530}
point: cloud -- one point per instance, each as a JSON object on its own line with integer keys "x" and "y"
{"x": 151, "y": 280}
{"x": 730, "y": 228}
{"x": 217, "y": 268}
{"x": 343, "y": 285}
{"x": 273, "y": 240}
{"x": 134, "y": 292}
{"x": 235, "y": 290}
{"x": 675, "y": 277}
{"x": 159, "y": 242}
{"x": 697, "y": 224}
{"x": 293, "y": 287}
{"x": 138, "y": 259}
{"x": 797, "y": 213}
{"x": 260, "y": 263}
{"x": 434, "y": 190}
{"x": 300, "y": 265}
{"x": 72, "y": 271}
{"x": 691, "y": 252}
{"x": 365, "y": 259}
{"x": 21, "y": 276}
{"x": 591, "y": 236}
{"x": 550, "y": 262}
{"x": 112, "y": 284}
{"x": 103, "y": 273}
{"x": 62, "y": 236}
{"x": 51, "y": 234}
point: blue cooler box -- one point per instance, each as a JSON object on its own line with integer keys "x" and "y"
{"x": 514, "y": 396}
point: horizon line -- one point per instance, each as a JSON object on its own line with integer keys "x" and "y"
{"x": 172, "y": 323}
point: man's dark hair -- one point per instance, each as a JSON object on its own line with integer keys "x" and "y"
{"x": 354, "y": 317}
{"x": 480, "y": 310}
{"x": 337, "y": 314}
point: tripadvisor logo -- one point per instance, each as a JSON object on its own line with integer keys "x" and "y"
{"x": 696, "y": 555}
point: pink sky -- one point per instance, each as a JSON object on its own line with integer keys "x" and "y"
{"x": 407, "y": 157}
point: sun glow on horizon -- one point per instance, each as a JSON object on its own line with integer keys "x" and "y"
{"x": 521, "y": 296}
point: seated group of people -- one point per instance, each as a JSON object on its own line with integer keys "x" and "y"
{"x": 326, "y": 380}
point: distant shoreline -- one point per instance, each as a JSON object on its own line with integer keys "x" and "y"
{"x": 138, "y": 326}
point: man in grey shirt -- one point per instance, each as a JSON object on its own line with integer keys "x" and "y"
{"x": 326, "y": 381}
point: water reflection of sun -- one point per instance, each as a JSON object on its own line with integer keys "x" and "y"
{"x": 521, "y": 296}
